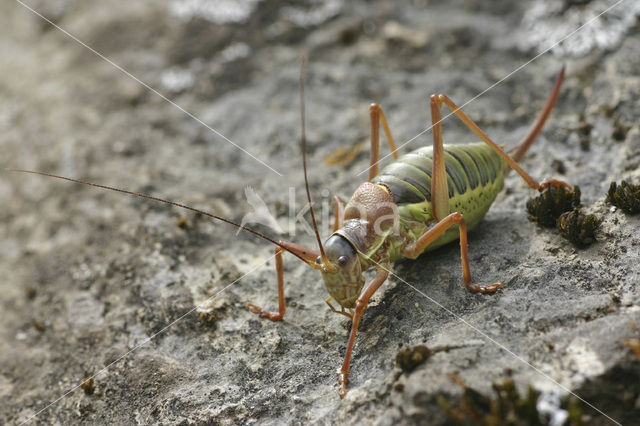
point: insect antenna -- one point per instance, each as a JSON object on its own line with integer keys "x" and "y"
{"x": 173, "y": 203}
{"x": 303, "y": 65}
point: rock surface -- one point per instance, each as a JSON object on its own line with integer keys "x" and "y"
{"x": 90, "y": 276}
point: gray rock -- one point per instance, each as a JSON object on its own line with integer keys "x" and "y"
{"x": 150, "y": 299}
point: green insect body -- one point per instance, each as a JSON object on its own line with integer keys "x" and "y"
{"x": 475, "y": 175}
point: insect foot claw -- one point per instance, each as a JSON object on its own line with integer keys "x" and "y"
{"x": 342, "y": 383}
{"x": 545, "y": 184}
{"x": 475, "y": 288}
{"x": 273, "y": 316}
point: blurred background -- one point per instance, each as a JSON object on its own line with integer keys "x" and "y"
{"x": 87, "y": 275}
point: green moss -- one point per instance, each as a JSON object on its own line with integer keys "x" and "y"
{"x": 88, "y": 386}
{"x": 574, "y": 407}
{"x": 625, "y": 196}
{"x": 577, "y": 227}
{"x": 551, "y": 203}
{"x": 409, "y": 358}
{"x": 506, "y": 407}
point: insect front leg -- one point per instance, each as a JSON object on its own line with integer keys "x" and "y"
{"x": 416, "y": 248}
{"x": 346, "y": 312}
{"x": 338, "y": 211}
{"x": 377, "y": 117}
{"x": 361, "y": 306}
{"x": 302, "y": 252}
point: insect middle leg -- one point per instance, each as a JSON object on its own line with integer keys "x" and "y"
{"x": 302, "y": 252}
{"x": 415, "y": 249}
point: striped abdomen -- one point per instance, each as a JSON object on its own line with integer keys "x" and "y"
{"x": 475, "y": 175}
{"x": 468, "y": 167}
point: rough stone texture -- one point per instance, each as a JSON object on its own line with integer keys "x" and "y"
{"x": 88, "y": 275}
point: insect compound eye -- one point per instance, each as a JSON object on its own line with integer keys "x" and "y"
{"x": 319, "y": 260}
{"x": 339, "y": 250}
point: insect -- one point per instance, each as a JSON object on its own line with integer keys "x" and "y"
{"x": 421, "y": 201}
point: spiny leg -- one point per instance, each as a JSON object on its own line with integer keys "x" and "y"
{"x": 439, "y": 186}
{"x": 361, "y": 305}
{"x": 282, "y": 305}
{"x": 377, "y": 117}
{"x": 338, "y": 210}
{"x": 436, "y": 103}
{"x": 415, "y": 249}
{"x": 526, "y": 142}
{"x": 303, "y": 252}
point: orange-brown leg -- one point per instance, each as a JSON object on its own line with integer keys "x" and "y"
{"x": 524, "y": 145}
{"x": 361, "y": 305}
{"x": 415, "y": 249}
{"x": 438, "y": 100}
{"x": 439, "y": 185}
{"x": 305, "y": 254}
{"x": 338, "y": 211}
{"x": 377, "y": 117}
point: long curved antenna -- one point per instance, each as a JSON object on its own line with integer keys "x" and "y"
{"x": 182, "y": 206}
{"x": 325, "y": 261}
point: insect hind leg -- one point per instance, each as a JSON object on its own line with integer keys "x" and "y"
{"x": 414, "y": 250}
{"x": 444, "y": 99}
{"x": 518, "y": 152}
